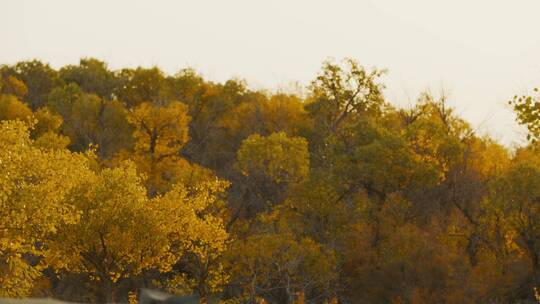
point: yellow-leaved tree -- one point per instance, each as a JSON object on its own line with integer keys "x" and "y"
{"x": 45, "y": 124}
{"x": 35, "y": 189}
{"x": 12, "y": 108}
{"x": 160, "y": 133}
{"x": 46, "y": 130}
{"x": 118, "y": 235}
{"x": 193, "y": 219}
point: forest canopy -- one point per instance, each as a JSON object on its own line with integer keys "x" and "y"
{"x": 117, "y": 180}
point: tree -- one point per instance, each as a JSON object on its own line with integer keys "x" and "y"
{"x": 118, "y": 235}
{"x": 160, "y": 133}
{"x": 259, "y": 114}
{"x": 111, "y": 181}
{"x": 35, "y": 189}
{"x": 277, "y": 267}
{"x": 92, "y": 76}
{"x": 210, "y": 106}
{"x": 514, "y": 198}
{"x": 11, "y": 85}
{"x": 142, "y": 85}
{"x": 45, "y": 125}
{"x": 39, "y": 78}
{"x": 527, "y": 108}
{"x": 91, "y": 120}
{"x": 270, "y": 165}
{"x": 315, "y": 208}
{"x": 283, "y": 159}
{"x": 194, "y": 221}
{"x": 341, "y": 92}
{"x": 47, "y": 128}
{"x": 12, "y": 108}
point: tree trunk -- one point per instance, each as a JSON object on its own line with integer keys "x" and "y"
{"x": 535, "y": 268}
{"x": 203, "y": 299}
{"x": 107, "y": 291}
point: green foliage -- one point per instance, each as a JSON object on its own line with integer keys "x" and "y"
{"x": 345, "y": 92}
{"x": 39, "y": 78}
{"x": 528, "y": 113}
{"x": 142, "y": 85}
{"x": 281, "y": 158}
{"x": 92, "y": 76}
{"x": 89, "y": 120}
{"x": 277, "y": 266}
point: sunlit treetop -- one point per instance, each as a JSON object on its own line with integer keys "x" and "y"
{"x": 527, "y": 108}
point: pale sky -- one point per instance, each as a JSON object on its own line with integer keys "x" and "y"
{"x": 481, "y": 52}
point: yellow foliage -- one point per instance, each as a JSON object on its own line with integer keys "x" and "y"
{"x": 160, "y": 133}
{"x": 46, "y": 122}
{"x": 52, "y": 140}
{"x": 281, "y": 113}
{"x": 12, "y": 85}
{"x": 12, "y": 108}
{"x": 35, "y": 189}
{"x": 118, "y": 234}
{"x": 190, "y": 216}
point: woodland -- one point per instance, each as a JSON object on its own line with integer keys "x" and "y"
{"x": 117, "y": 180}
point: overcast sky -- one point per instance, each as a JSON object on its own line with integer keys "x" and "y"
{"x": 481, "y": 52}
